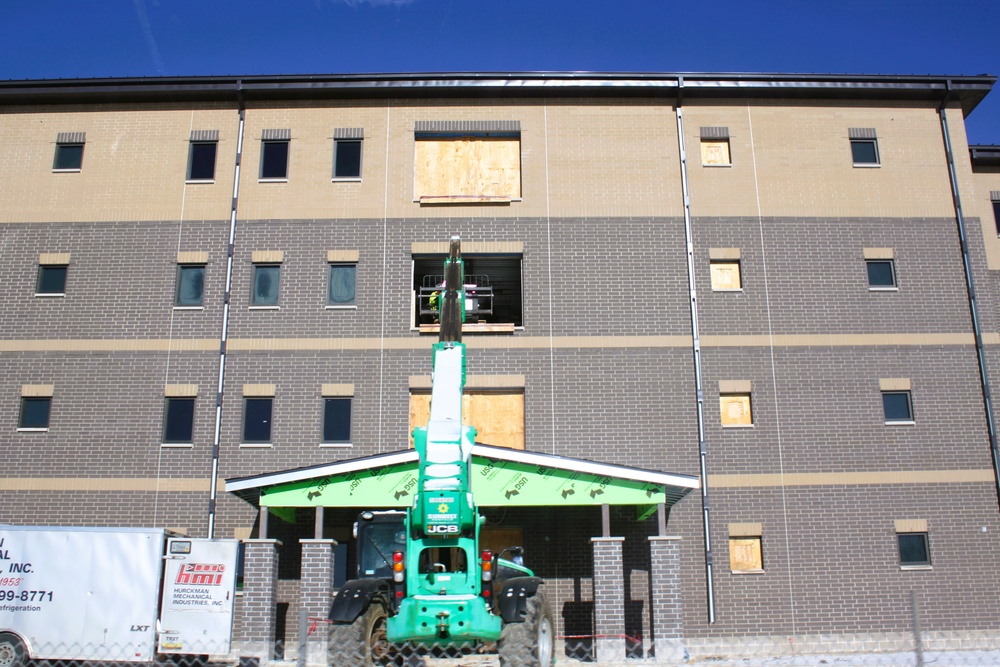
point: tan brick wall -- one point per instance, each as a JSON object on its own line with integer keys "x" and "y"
{"x": 134, "y": 165}
{"x": 578, "y": 158}
{"x": 803, "y": 161}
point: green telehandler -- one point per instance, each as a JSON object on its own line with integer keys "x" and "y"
{"x": 423, "y": 584}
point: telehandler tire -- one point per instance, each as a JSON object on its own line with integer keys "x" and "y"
{"x": 530, "y": 643}
{"x": 363, "y": 643}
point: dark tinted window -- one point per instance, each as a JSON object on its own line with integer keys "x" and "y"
{"x": 996, "y": 215}
{"x": 913, "y": 549}
{"x": 341, "y": 288}
{"x": 265, "y": 285}
{"x": 35, "y": 412}
{"x": 347, "y": 159}
{"x": 51, "y": 280}
{"x": 178, "y": 422}
{"x": 190, "y": 285}
{"x": 864, "y": 151}
{"x": 257, "y": 420}
{"x": 337, "y": 420}
{"x": 68, "y": 156}
{"x": 880, "y": 274}
{"x": 897, "y": 406}
{"x": 202, "y": 162}
{"x": 274, "y": 159}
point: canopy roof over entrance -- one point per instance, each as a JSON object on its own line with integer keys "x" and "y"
{"x": 500, "y": 477}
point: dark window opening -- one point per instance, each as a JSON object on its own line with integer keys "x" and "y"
{"x": 68, "y": 157}
{"x": 201, "y": 163}
{"x": 35, "y": 412}
{"x": 996, "y": 215}
{"x": 340, "y": 290}
{"x": 51, "y": 280}
{"x": 190, "y": 286}
{"x": 274, "y": 159}
{"x": 346, "y": 159}
{"x": 266, "y": 280}
{"x": 493, "y": 289}
{"x": 897, "y": 406}
{"x": 881, "y": 273}
{"x": 178, "y": 420}
{"x": 336, "y": 420}
{"x": 257, "y": 419}
{"x": 864, "y": 151}
{"x": 913, "y": 549}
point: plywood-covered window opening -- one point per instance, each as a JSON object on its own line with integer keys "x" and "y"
{"x": 493, "y": 404}
{"x": 463, "y": 162}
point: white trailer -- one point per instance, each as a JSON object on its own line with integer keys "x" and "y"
{"x": 113, "y": 594}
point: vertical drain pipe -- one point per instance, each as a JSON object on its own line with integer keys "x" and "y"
{"x": 213, "y": 493}
{"x": 702, "y": 453}
{"x": 970, "y": 287}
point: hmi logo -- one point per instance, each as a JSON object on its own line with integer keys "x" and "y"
{"x": 200, "y": 574}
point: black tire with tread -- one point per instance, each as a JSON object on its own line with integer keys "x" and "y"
{"x": 363, "y": 643}
{"x": 530, "y": 643}
{"x": 12, "y": 653}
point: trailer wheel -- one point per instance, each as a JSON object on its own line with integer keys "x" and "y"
{"x": 363, "y": 643}
{"x": 11, "y": 650}
{"x": 530, "y": 643}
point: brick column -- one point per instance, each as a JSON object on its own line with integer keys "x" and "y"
{"x": 260, "y": 599}
{"x": 316, "y": 594}
{"x": 609, "y": 599}
{"x": 665, "y": 593}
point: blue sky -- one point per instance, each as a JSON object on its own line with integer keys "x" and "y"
{"x": 111, "y": 38}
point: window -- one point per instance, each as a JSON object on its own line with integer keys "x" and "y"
{"x": 190, "y": 286}
{"x": 341, "y": 286}
{"x": 496, "y": 410}
{"x": 274, "y": 154}
{"x": 178, "y": 420}
{"x": 201, "y": 161}
{"x": 467, "y": 162}
{"x": 864, "y": 146}
{"x": 715, "y": 147}
{"x": 734, "y": 403}
{"x": 337, "y": 420}
{"x": 735, "y": 410}
{"x": 257, "y": 420}
{"x": 51, "y": 280}
{"x": 493, "y": 285}
{"x": 266, "y": 279}
{"x": 35, "y": 412}
{"x": 995, "y": 200}
{"x": 897, "y": 407}
{"x": 881, "y": 274}
{"x": 745, "y": 555}
{"x": 347, "y": 153}
{"x": 914, "y": 549}
{"x": 69, "y": 151}
{"x": 726, "y": 276}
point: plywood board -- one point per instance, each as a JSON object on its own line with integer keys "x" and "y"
{"x": 715, "y": 153}
{"x": 467, "y": 169}
{"x": 745, "y": 554}
{"x": 498, "y": 416}
{"x": 726, "y": 276}
{"x": 735, "y": 410}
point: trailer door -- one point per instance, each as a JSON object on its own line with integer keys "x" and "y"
{"x": 199, "y": 584}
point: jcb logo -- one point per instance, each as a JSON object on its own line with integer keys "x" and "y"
{"x": 442, "y": 529}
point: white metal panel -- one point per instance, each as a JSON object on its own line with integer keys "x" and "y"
{"x": 198, "y": 589}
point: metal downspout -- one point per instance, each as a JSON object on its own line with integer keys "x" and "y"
{"x": 214, "y": 482}
{"x": 702, "y": 451}
{"x": 971, "y": 288}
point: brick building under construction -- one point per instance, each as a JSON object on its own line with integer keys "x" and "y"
{"x": 763, "y": 309}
